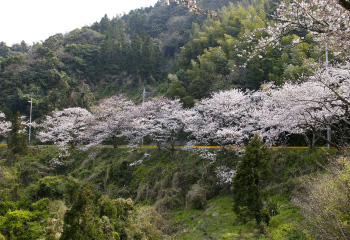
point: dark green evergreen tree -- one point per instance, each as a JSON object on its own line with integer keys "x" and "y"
{"x": 105, "y": 24}
{"x": 252, "y": 174}
{"x": 82, "y": 222}
{"x": 4, "y": 50}
{"x": 17, "y": 136}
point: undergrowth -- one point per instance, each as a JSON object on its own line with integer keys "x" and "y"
{"x": 181, "y": 186}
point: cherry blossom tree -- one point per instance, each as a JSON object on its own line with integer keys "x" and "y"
{"x": 334, "y": 113}
{"x": 328, "y": 20}
{"x": 307, "y": 108}
{"x": 64, "y": 127}
{"x": 195, "y": 124}
{"x": 5, "y": 126}
{"x": 321, "y": 101}
{"x": 160, "y": 120}
{"x": 222, "y": 119}
{"x": 111, "y": 121}
{"x": 191, "y": 5}
{"x": 283, "y": 111}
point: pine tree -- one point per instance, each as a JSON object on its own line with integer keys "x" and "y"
{"x": 253, "y": 171}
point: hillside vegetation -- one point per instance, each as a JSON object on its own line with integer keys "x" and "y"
{"x": 124, "y": 53}
{"x": 175, "y": 195}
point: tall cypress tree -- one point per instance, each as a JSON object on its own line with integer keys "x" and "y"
{"x": 82, "y": 222}
{"x": 252, "y": 173}
{"x": 17, "y": 136}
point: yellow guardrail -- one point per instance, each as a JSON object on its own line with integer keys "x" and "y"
{"x": 196, "y": 147}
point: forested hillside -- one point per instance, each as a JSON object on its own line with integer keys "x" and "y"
{"x": 118, "y": 54}
{"x": 167, "y": 49}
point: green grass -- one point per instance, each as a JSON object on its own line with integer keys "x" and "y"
{"x": 218, "y": 221}
{"x": 287, "y": 223}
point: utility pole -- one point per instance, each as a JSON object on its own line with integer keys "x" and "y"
{"x": 328, "y": 124}
{"x": 143, "y": 95}
{"x": 30, "y": 118}
{"x": 326, "y": 63}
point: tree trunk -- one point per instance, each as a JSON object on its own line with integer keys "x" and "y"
{"x": 310, "y": 143}
{"x": 115, "y": 142}
{"x": 313, "y": 142}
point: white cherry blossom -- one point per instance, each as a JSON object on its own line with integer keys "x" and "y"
{"x": 5, "y": 126}
{"x": 111, "y": 121}
{"x": 64, "y": 127}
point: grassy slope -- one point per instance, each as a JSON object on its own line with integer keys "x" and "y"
{"x": 217, "y": 221}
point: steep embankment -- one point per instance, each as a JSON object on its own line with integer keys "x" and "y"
{"x": 179, "y": 194}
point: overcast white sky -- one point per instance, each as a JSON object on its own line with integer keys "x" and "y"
{"x": 36, "y": 20}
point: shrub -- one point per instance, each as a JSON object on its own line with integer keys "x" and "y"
{"x": 196, "y": 198}
{"x": 325, "y": 201}
{"x": 57, "y": 210}
{"x": 50, "y": 187}
{"x": 169, "y": 200}
{"x": 107, "y": 207}
{"x": 8, "y": 177}
{"x": 296, "y": 234}
{"x": 124, "y": 207}
{"x": 19, "y": 224}
{"x": 147, "y": 223}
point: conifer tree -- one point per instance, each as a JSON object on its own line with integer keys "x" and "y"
{"x": 253, "y": 171}
{"x": 17, "y": 136}
{"x": 82, "y": 222}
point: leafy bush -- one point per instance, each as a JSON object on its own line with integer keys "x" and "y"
{"x": 124, "y": 207}
{"x": 20, "y": 224}
{"x": 146, "y": 224}
{"x": 296, "y": 234}
{"x": 170, "y": 199}
{"x": 196, "y": 198}
{"x": 325, "y": 201}
{"x": 50, "y": 187}
{"x": 290, "y": 163}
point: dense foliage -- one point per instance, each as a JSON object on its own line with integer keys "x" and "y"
{"x": 204, "y": 54}
{"x": 252, "y": 174}
{"x": 17, "y": 136}
{"x": 45, "y": 194}
{"x": 113, "y": 55}
{"x": 324, "y": 201}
